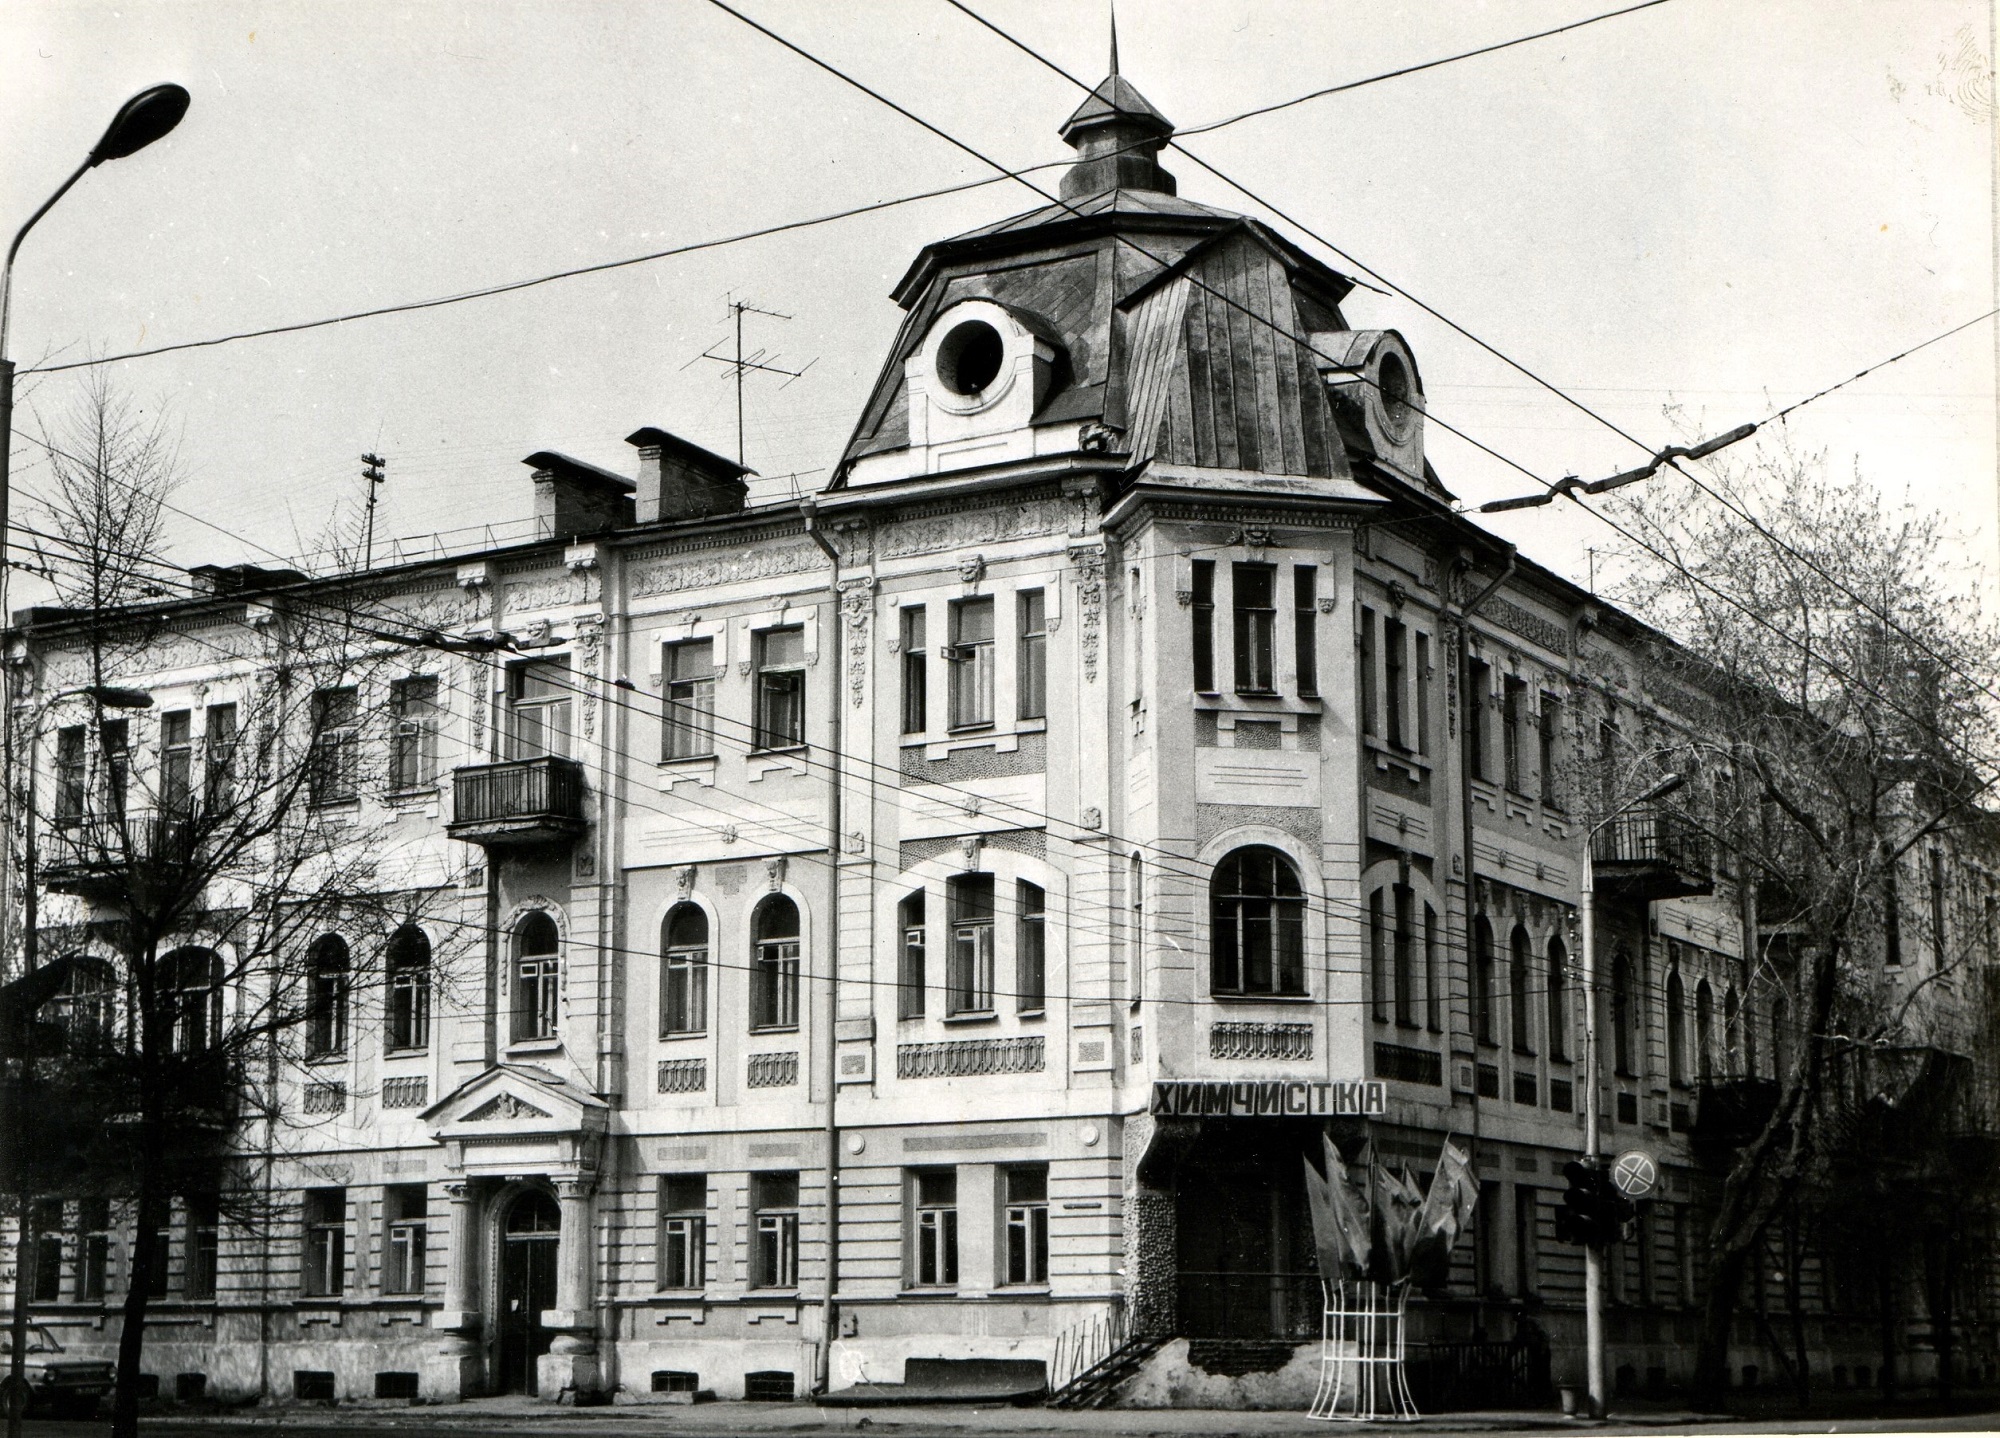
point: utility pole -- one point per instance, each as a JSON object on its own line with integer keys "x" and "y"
{"x": 740, "y": 364}
{"x": 371, "y": 470}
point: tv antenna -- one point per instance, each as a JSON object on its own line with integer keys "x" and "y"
{"x": 740, "y": 364}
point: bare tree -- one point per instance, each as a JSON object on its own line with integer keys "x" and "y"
{"x": 223, "y": 899}
{"x": 1839, "y": 687}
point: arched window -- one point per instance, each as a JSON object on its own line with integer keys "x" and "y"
{"x": 85, "y": 1004}
{"x": 326, "y": 1003}
{"x": 684, "y": 971}
{"x": 537, "y": 973}
{"x": 1704, "y": 1032}
{"x": 1677, "y": 1061}
{"x": 408, "y": 961}
{"x": 1558, "y": 1001}
{"x": 1482, "y": 979}
{"x": 191, "y": 992}
{"x": 1517, "y": 991}
{"x": 1732, "y": 1033}
{"x": 1257, "y": 941}
{"x": 1621, "y": 1013}
{"x": 774, "y": 978}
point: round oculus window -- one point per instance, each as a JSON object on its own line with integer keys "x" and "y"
{"x": 1393, "y": 378}
{"x": 969, "y": 359}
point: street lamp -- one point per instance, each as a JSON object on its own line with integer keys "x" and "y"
{"x": 107, "y": 696}
{"x": 1593, "y": 1257}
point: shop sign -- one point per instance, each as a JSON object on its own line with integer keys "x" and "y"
{"x": 1270, "y": 1098}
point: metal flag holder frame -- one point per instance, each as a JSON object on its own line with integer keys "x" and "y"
{"x": 1361, "y": 1354}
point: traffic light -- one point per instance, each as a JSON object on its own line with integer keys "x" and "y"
{"x": 1593, "y": 1210}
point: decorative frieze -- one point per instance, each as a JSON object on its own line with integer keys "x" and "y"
{"x": 1231, "y": 1040}
{"x": 683, "y": 1075}
{"x": 325, "y": 1097}
{"x": 966, "y": 1057}
{"x": 408, "y": 1092}
{"x": 772, "y": 1071}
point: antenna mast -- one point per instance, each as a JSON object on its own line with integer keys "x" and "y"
{"x": 372, "y": 471}
{"x": 741, "y": 364}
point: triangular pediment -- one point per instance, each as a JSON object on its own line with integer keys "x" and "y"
{"x": 512, "y": 1100}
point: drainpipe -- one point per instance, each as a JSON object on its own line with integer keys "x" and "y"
{"x": 1465, "y": 767}
{"x": 823, "y": 1363}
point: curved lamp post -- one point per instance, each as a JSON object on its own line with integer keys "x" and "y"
{"x": 1593, "y": 1258}
{"x": 141, "y": 120}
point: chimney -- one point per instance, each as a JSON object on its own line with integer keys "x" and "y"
{"x": 679, "y": 480}
{"x": 573, "y": 498}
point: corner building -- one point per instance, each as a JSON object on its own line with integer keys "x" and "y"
{"x": 1092, "y": 794}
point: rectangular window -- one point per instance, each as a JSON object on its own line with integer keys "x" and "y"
{"x": 117, "y": 765}
{"x": 971, "y": 658}
{"x": 1031, "y": 963}
{"x": 1513, "y": 717}
{"x": 326, "y": 1242}
{"x": 1395, "y": 636}
{"x": 413, "y": 742}
{"x": 47, "y": 1253}
{"x": 1253, "y": 594}
{"x": 1028, "y": 1224}
{"x": 204, "y": 1250}
{"x": 689, "y": 731}
{"x": 1937, "y": 909}
{"x": 916, "y": 670}
{"x": 1202, "y": 616}
{"x": 774, "y": 983}
{"x": 1433, "y": 1016}
{"x": 93, "y": 1224}
{"x": 1305, "y": 626}
{"x": 176, "y": 761}
{"x": 781, "y": 688}
{"x": 969, "y": 980}
{"x": 1892, "y": 919}
{"x": 1550, "y": 739}
{"x": 684, "y": 1005}
{"x": 1371, "y": 722}
{"x": 1031, "y": 670}
{"x": 405, "y": 1211}
{"x": 219, "y": 757}
{"x": 774, "y": 1259}
{"x": 159, "y": 1273}
{"x": 539, "y": 695}
{"x": 684, "y": 1230}
{"x": 1478, "y": 686}
{"x": 910, "y": 976}
{"x": 1422, "y": 668}
{"x": 1406, "y": 923}
{"x": 1378, "y": 945}
{"x": 937, "y": 1227}
{"x": 71, "y": 776}
{"x": 336, "y": 738}
{"x": 1526, "y": 1206}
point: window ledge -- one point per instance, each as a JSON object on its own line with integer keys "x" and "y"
{"x": 326, "y": 1059}
{"x": 415, "y": 1051}
{"x": 535, "y": 1046}
{"x": 1262, "y": 998}
{"x": 977, "y": 729}
{"x": 683, "y": 1035}
{"x": 935, "y": 1291}
{"x": 778, "y": 753}
{"x": 405, "y": 797}
{"x": 972, "y": 1016}
{"x": 774, "y": 1029}
{"x": 677, "y": 761}
{"x": 1032, "y": 1014}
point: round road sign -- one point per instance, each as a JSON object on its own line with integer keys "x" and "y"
{"x": 1635, "y": 1173}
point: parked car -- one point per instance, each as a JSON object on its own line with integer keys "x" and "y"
{"x": 66, "y": 1387}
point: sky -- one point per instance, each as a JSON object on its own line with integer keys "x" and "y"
{"x": 1685, "y": 217}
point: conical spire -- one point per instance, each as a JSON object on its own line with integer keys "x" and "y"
{"x": 1117, "y": 134}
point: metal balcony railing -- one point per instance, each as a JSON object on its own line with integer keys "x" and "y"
{"x": 519, "y": 799}
{"x": 1653, "y": 853}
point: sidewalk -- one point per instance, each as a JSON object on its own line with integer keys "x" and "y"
{"x": 486, "y": 1415}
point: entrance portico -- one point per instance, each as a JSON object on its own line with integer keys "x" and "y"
{"x": 520, "y": 1311}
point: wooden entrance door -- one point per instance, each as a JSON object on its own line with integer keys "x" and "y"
{"x": 527, "y": 1287}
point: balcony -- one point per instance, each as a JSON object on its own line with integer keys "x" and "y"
{"x": 518, "y": 803}
{"x": 100, "y": 857}
{"x": 1729, "y": 1113}
{"x": 1646, "y": 854}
